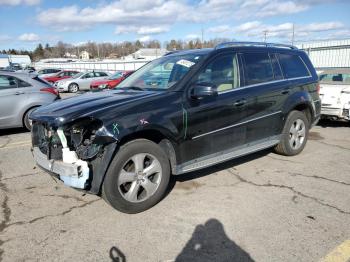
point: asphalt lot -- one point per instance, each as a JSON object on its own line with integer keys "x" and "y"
{"x": 263, "y": 207}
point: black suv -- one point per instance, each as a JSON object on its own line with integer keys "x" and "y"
{"x": 182, "y": 112}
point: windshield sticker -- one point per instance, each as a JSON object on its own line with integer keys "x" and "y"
{"x": 185, "y": 63}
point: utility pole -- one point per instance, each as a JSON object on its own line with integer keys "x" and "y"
{"x": 293, "y": 34}
{"x": 265, "y": 35}
{"x": 202, "y": 37}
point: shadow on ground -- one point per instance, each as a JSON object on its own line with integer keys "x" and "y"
{"x": 209, "y": 242}
{"x": 12, "y": 131}
{"x": 333, "y": 123}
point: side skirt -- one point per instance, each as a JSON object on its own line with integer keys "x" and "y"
{"x": 223, "y": 156}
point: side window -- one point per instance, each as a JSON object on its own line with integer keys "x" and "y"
{"x": 100, "y": 74}
{"x": 277, "y": 72}
{"x": 293, "y": 66}
{"x": 89, "y": 75}
{"x": 257, "y": 68}
{"x": 223, "y": 72}
{"x": 22, "y": 83}
{"x": 7, "y": 82}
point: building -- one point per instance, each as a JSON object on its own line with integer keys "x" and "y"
{"x": 84, "y": 55}
{"x": 23, "y": 60}
{"x": 149, "y": 53}
{"x": 328, "y": 54}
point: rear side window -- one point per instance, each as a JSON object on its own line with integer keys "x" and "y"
{"x": 99, "y": 74}
{"x": 257, "y": 68}
{"x": 277, "y": 72}
{"x": 293, "y": 66}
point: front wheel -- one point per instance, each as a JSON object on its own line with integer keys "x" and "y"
{"x": 294, "y": 135}
{"x": 137, "y": 178}
{"x": 73, "y": 88}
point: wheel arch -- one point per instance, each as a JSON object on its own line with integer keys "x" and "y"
{"x": 26, "y": 111}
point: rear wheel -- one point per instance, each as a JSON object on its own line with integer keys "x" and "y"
{"x": 137, "y": 178}
{"x": 294, "y": 135}
{"x": 73, "y": 88}
{"x": 26, "y": 121}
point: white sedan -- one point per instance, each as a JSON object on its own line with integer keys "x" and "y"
{"x": 80, "y": 81}
{"x": 335, "y": 93}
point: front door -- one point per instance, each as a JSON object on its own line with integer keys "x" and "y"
{"x": 214, "y": 124}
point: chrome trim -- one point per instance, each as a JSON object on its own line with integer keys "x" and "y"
{"x": 265, "y": 83}
{"x": 223, "y": 156}
{"x": 241, "y": 123}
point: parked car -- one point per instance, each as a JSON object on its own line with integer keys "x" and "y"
{"x": 217, "y": 104}
{"x": 60, "y": 75}
{"x": 80, "y": 81}
{"x": 20, "y": 94}
{"x": 110, "y": 82}
{"x": 48, "y": 72}
{"x": 335, "y": 93}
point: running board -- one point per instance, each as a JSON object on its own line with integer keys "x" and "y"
{"x": 223, "y": 156}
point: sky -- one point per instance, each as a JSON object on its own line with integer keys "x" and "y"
{"x": 25, "y": 23}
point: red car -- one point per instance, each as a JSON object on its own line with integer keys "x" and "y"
{"x": 60, "y": 75}
{"x": 110, "y": 82}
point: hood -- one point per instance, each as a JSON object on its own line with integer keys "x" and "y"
{"x": 92, "y": 104}
{"x": 65, "y": 80}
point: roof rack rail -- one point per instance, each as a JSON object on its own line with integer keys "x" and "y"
{"x": 263, "y": 44}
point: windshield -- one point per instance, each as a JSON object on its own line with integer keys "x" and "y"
{"x": 161, "y": 73}
{"x": 78, "y": 75}
{"x": 116, "y": 76}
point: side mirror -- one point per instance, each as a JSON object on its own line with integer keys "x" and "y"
{"x": 202, "y": 90}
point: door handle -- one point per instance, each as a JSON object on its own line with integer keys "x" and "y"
{"x": 19, "y": 93}
{"x": 285, "y": 91}
{"x": 240, "y": 102}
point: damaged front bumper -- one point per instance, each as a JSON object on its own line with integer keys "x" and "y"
{"x": 72, "y": 174}
{"x": 78, "y": 154}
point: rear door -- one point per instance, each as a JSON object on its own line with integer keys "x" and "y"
{"x": 85, "y": 80}
{"x": 263, "y": 77}
{"x": 13, "y": 97}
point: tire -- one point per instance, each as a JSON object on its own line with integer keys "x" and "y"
{"x": 132, "y": 188}
{"x": 294, "y": 135}
{"x": 73, "y": 88}
{"x": 26, "y": 121}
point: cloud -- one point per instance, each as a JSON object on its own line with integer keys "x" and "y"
{"x": 143, "y": 30}
{"x": 29, "y": 37}
{"x": 192, "y": 36}
{"x": 145, "y": 38}
{"x": 155, "y": 17}
{"x": 19, "y": 2}
{"x": 5, "y": 38}
{"x": 285, "y": 30}
{"x": 219, "y": 29}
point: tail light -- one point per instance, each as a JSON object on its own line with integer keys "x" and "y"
{"x": 51, "y": 90}
{"x": 318, "y": 87}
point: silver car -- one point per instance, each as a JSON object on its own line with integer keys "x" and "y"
{"x": 20, "y": 94}
{"x": 80, "y": 81}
